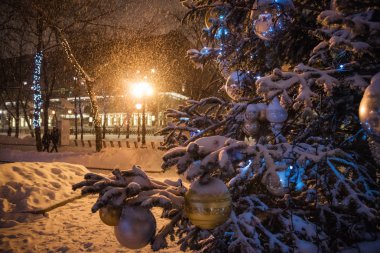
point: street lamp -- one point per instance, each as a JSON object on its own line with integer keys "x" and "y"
{"x": 138, "y": 107}
{"x": 141, "y": 90}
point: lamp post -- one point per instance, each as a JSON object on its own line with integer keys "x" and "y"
{"x": 138, "y": 107}
{"x": 142, "y": 90}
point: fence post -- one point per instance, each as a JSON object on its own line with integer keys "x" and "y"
{"x": 89, "y": 143}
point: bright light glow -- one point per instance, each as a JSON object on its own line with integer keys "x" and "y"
{"x": 138, "y": 106}
{"x": 90, "y": 119}
{"x": 70, "y": 111}
{"x": 141, "y": 89}
{"x": 53, "y": 112}
{"x": 153, "y": 71}
{"x": 25, "y": 83}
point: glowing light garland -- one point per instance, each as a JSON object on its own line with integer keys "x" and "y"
{"x": 37, "y": 97}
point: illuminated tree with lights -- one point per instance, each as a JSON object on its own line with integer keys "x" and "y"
{"x": 285, "y": 165}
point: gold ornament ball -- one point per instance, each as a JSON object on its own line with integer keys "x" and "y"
{"x": 110, "y": 215}
{"x": 208, "y": 205}
{"x": 136, "y": 228}
{"x": 369, "y": 109}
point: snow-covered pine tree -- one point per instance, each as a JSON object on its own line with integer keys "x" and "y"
{"x": 289, "y": 146}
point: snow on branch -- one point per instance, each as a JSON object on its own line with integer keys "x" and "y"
{"x": 326, "y": 185}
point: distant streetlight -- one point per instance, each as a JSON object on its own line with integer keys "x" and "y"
{"x": 141, "y": 90}
{"x": 25, "y": 83}
{"x": 138, "y": 107}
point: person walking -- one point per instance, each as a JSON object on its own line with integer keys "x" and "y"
{"x": 55, "y": 139}
{"x": 46, "y": 140}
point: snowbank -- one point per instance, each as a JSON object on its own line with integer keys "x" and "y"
{"x": 108, "y": 158}
{"x": 33, "y": 186}
{"x": 25, "y": 140}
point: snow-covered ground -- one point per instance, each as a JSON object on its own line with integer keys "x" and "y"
{"x": 111, "y": 158}
{"x": 69, "y": 228}
{"x": 33, "y": 186}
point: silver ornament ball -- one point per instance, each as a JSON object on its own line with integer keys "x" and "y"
{"x": 136, "y": 227}
{"x": 272, "y": 18}
{"x": 240, "y": 85}
{"x": 275, "y": 113}
{"x": 251, "y": 128}
{"x": 253, "y": 112}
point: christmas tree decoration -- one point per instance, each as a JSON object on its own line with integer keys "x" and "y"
{"x": 275, "y": 113}
{"x": 136, "y": 227}
{"x": 208, "y": 205}
{"x": 277, "y": 184}
{"x": 240, "y": 85}
{"x": 110, "y": 215}
{"x": 251, "y": 128}
{"x": 272, "y": 18}
{"x": 255, "y": 112}
{"x": 369, "y": 109}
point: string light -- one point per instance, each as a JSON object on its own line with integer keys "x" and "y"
{"x": 37, "y": 97}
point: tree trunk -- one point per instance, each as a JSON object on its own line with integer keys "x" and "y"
{"x": 17, "y": 118}
{"x": 46, "y": 114}
{"x": 9, "y": 125}
{"x": 95, "y": 115}
{"x": 105, "y": 117}
{"x": 104, "y": 126}
{"x": 75, "y": 117}
{"x": 37, "y": 87}
{"x": 26, "y": 116}
{"x": 81, "y": 118}
{"x": 128, "y": 126}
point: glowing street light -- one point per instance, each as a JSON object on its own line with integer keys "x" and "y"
{"x": 141, "y": 90}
